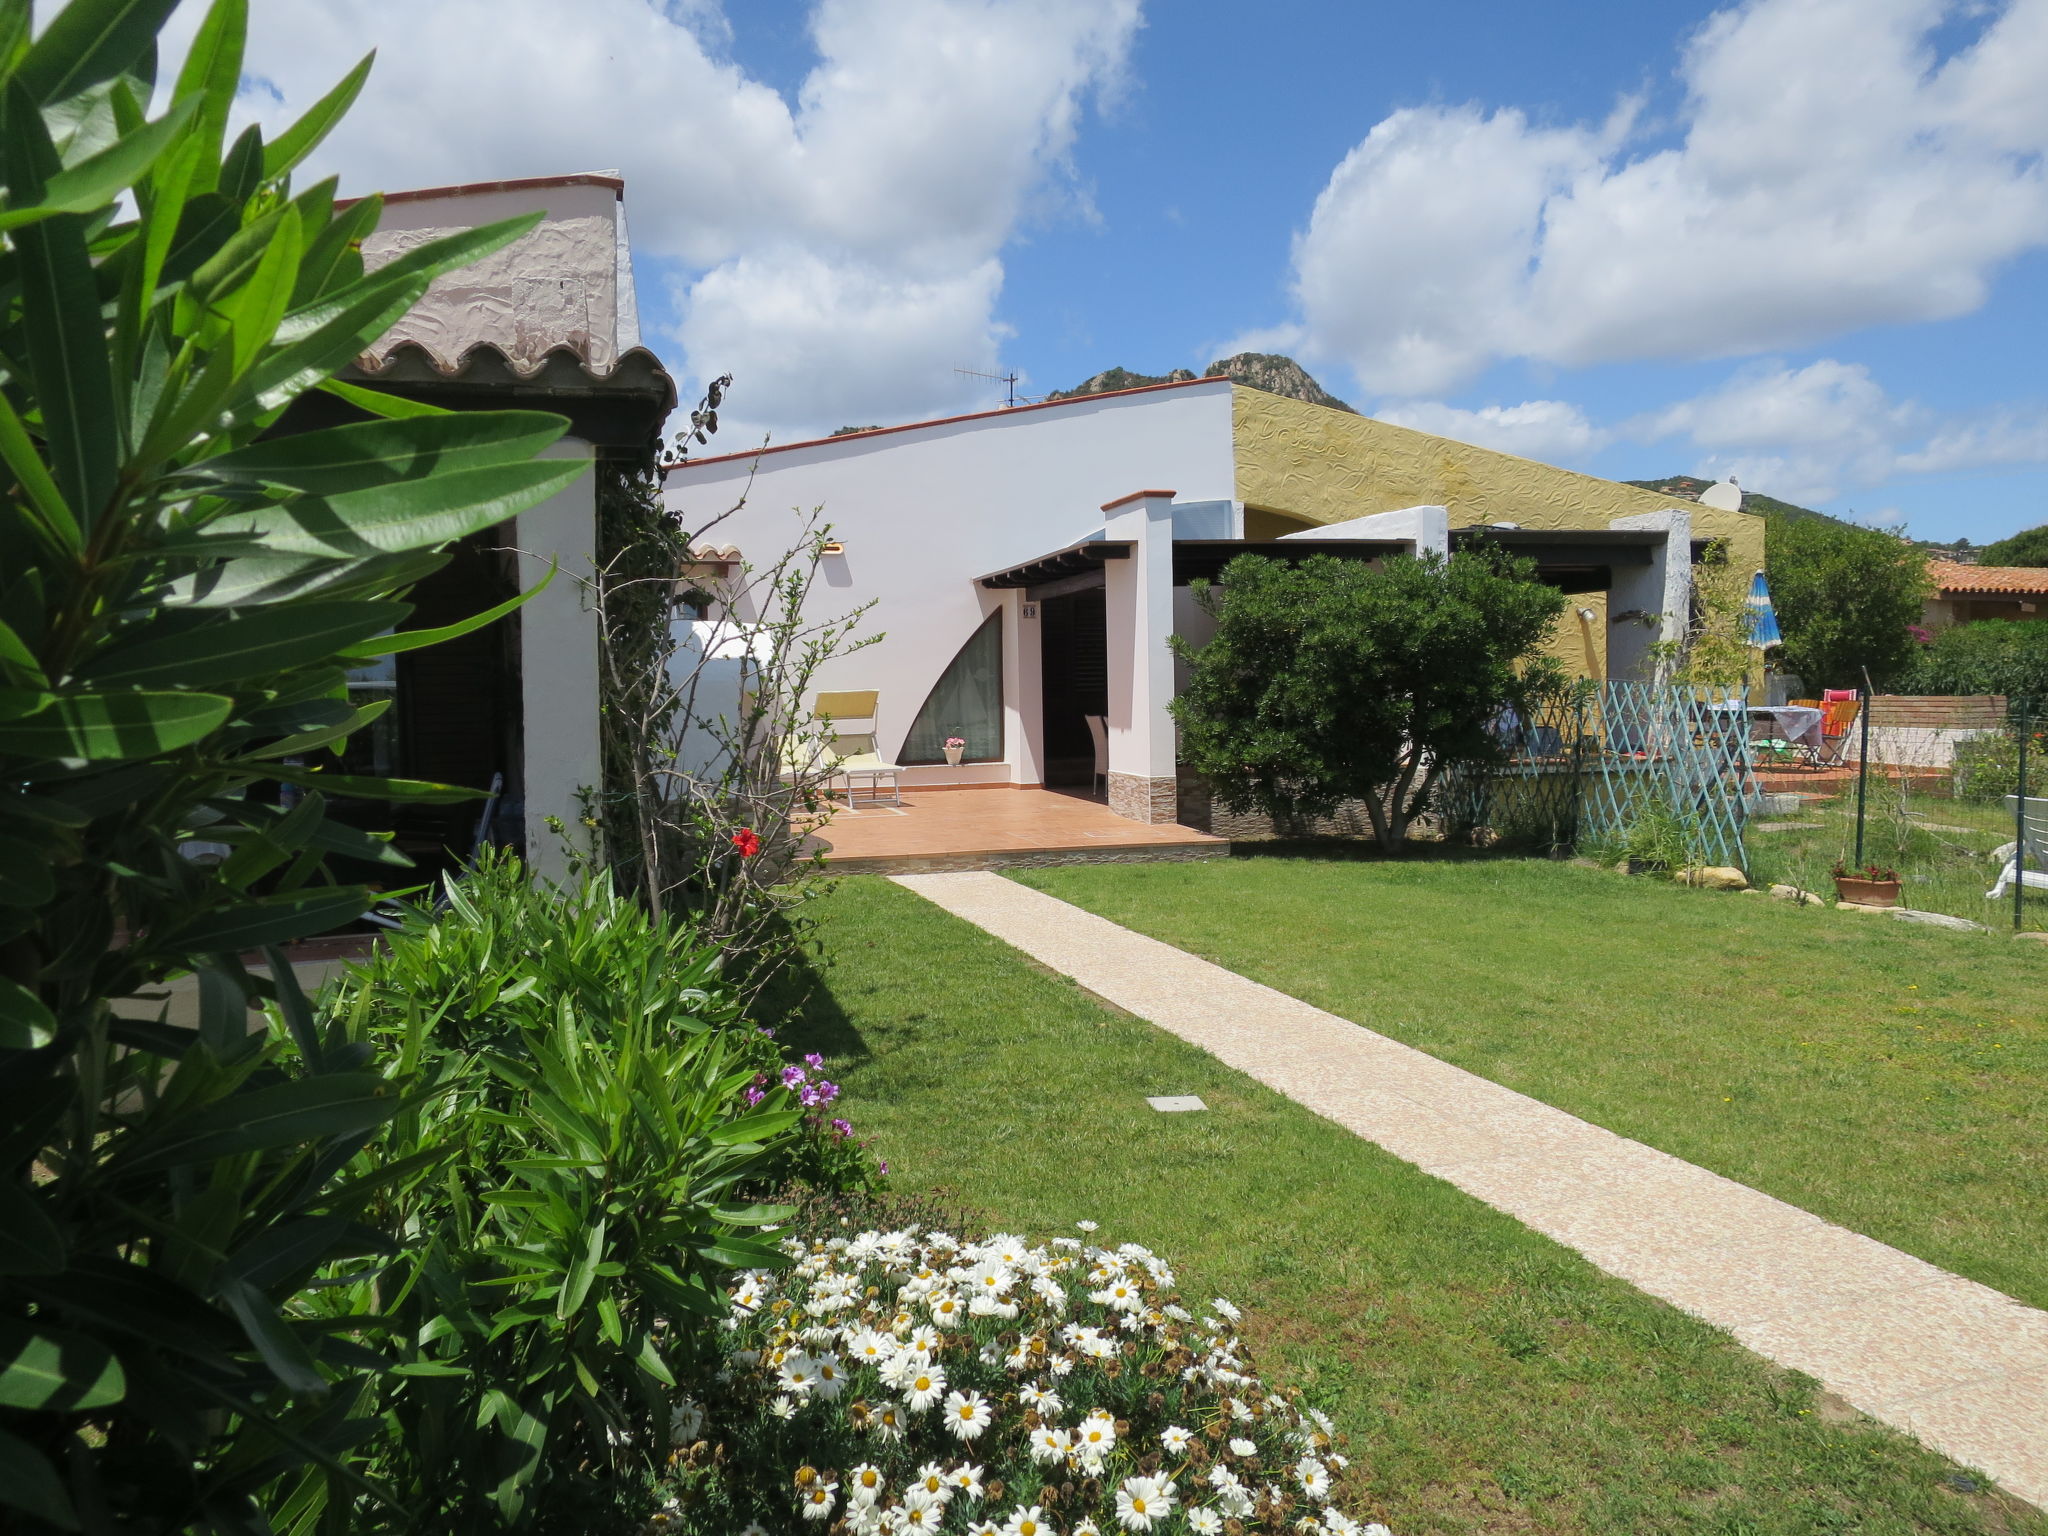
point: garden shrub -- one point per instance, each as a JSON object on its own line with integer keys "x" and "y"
{"x": 589, "y": 1129}
{"x": 184, "y": 584}
{"x": 1986, "y": 656}
{"x": 1331, "y": 680}
{"x": 896, "y": 1382}
{"x": 1987, "y": 765}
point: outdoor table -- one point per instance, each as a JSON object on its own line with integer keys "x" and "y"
{"x": 1795, "y": 722}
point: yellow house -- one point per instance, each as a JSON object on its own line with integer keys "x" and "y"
{"x": 1302, "y": 466}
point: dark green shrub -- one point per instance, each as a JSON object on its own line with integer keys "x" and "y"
{"x": 180, "y": 597}
{"x": 589, "y": 1132}
{"x": 1331, "y": 681}
{"x": 1987, "y": 767}
{"x": 1988, "y": 656}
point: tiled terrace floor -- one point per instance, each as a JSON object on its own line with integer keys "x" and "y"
{"x": 953, "y": 829}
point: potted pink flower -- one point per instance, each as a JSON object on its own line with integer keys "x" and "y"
{"x": 955, "y": 745}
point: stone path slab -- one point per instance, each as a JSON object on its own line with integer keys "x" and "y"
{"x": 1963, "y": 1367}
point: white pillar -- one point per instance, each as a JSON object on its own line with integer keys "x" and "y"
{"x": 1660, "y": 592}
{"x": 1139, "y": 598}
{"x": 558, "y": 666}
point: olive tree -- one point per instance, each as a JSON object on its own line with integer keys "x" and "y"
{"x": 1846, "y": 599}
{"x": 1331, "y": 680}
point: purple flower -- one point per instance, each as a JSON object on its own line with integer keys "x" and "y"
{"x": 810, "y": 1098}
{"x": 883, "y": 1166}
{"x": 814, "y": 1061}
{"x": 763, "y": 1029}
{"x": 792, "y": 1076}
{"x": 754, "y": 1096}
{"x": 827, "y": 1092}
{"x": 843, "y": 1128}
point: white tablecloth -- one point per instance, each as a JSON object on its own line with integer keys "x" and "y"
{"x": 1794, "y": 722}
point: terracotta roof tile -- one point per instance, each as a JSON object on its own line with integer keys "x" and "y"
{"x": 1951, "y": 577}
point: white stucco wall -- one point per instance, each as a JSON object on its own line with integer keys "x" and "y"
{"x": 568, "y": 282}
{"x": 558, "y": 683}
{"x": 923, "y": 511}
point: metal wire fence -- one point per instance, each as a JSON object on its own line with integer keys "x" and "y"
{"x": 1954, "y": 813}
{"x": 1654, "y": 772}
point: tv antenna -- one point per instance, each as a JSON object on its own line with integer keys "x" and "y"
{"x": 1007, "y": 380}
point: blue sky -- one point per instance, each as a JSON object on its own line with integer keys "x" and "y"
{"x": 1797, "y": 240}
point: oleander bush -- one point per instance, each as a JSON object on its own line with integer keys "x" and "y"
{"x": 910, "y": 1381}
{"x": 589, "y": 1136}
{"x": 184, "y": 583}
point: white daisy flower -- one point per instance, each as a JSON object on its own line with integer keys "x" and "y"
{"x": 797, "y": 1374}
{"x": 1097, "y": 1435}
{"x": 922, "y": 1386}
{"x": 831, "y": 1377}
{"x": 921, "y": 1510}
{"x": 1339, "y": 1524}
{"x": 684, "y": 1420}
{"x": 1225, "y": 1309}
{"x": 1204, "y": 1522}
{"x": 782, "y": 1406}
{"x": 1142, "y": 1501}
{"x": 864, "y": 1485}
{"x": 817, "y": 1501}
{"x": 1243, "y": 1448}
{"x": 931, "y": 1479}
{"x": 967, "y": 1414}
{"x": 1174, "y": 1438}
{"x": 889, "y": 1422}
{"x": 965, "y": 1480}
{"x": 984, "y": 1528}
{"x": 1313, "y": 1477}
{"x": 1044, "y": 1399}
{"x": 1025, "y": 1521}
{"x": 1088, "y": 1226}
{"x": 1087, "y": 1527}
{"x": 1050, "y": 1444}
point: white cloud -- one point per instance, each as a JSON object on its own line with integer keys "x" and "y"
{"x": 1555, "y": 431}
{"x": 840, "y": 255}
{"x": 1831, "y": 172}
{"x": 1809, "y": 434}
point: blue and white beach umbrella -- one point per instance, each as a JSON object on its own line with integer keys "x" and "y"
{"x": 1763, "y": 618}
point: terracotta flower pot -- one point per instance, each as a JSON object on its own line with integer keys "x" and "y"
{"x": 1867, "y": 893}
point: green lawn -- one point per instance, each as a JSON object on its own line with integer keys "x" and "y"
{"x": 1885, "y": 1077}
{"x": 1489, "y": 1380}
{"x": 1941, "y": 848}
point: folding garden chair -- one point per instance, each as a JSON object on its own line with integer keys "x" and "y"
{"x": 1839, "y": 709}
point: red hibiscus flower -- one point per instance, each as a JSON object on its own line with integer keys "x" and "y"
{"x": 747, "y": 842}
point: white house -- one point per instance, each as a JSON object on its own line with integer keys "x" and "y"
{"x": 1027, "y": 565}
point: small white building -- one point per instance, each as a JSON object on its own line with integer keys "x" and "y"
{"x": 547, "y": 323}
{"x": 1027, "y": 565}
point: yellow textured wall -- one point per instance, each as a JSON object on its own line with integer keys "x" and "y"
{"x": 1580, "y": 645}
{"x": 1324, "y": 465}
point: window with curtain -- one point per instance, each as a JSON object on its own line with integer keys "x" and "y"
{"x": 967, "y": 701}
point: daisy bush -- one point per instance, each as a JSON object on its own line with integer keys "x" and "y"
{"x": 911, "y": 1381}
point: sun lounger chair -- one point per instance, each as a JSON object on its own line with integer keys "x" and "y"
{"x": 852, "y": 754}
{"x": 2032, "y": 849}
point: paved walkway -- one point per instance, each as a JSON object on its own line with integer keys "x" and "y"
{"x": 1962, "y": 1366}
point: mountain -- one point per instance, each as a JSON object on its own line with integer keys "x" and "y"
{"x": 1265, "y": 371}
{"x": 1690, "y": 486}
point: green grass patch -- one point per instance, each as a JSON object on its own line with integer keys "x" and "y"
{"x": 1489, "y": 1379}
{"x": 1886, "y": 1077}
{"x": 1940, "y": 846}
